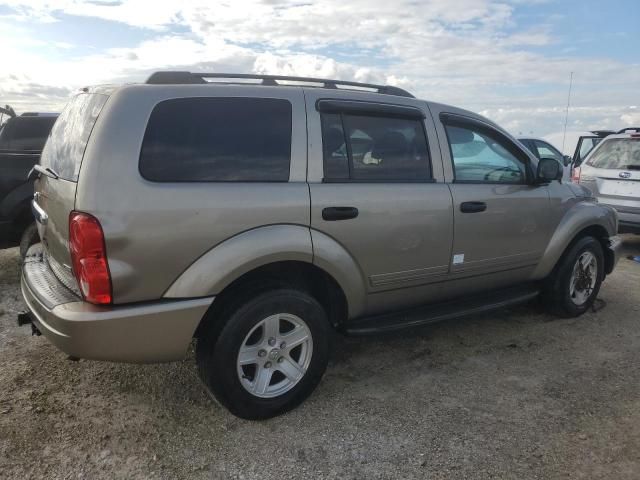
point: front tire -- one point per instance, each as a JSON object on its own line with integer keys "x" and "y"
{"x": 266, "y": 355}
{"x": 576, "y": 281}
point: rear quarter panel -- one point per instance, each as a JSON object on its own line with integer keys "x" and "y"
{"x": 156, "y": 231}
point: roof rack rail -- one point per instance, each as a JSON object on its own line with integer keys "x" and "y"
{"x": 178, "y": 77}
{"x": 603, "y": 133}
{"x": 630, "y": 129}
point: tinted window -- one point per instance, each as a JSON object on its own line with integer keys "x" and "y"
{"x": 218, "y": 140}
{"x": 374, "y": 148}
{"x": 481, "y": 156}
{"x": 26, "y": 133}
{"x": 617, "y": 153}
{"x": 587, "y": 145}
{"x": 65, "y": 147}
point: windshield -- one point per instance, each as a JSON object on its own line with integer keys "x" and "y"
{"x": 617, "y": 153}
{"x": 65, "y": 147}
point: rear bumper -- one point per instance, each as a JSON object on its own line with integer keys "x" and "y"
{"x": 628, "y": 222}
{"x": 628, "y": 218}
{"x": 141, "y": 333}
{"x": 612, "y": 253}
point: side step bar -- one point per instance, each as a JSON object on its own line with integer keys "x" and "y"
{"x": 441, "y": 311}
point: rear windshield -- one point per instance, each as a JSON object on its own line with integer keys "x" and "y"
{"x": 64, "y": 150}
{"x": 218, "y": 140}
{"x": 26, "y": 133}
{"x": 617, "y": 154}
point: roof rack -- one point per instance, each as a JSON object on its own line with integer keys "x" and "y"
{"x": 178, "y": 77}
{"x": 630, "y": 129}
{"x": 603, "y": 133}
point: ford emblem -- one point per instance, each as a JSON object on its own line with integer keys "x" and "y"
{"x": 625, "y": 174}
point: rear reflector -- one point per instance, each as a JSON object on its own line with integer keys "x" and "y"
{"x": 89, "y": 258}
{"x": 575, "y": 175}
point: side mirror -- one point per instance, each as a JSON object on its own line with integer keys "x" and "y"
{"x": 548, "y": 170}
{"x": 567, "y": 160}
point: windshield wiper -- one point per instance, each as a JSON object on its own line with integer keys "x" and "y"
{"x": 49, "y": 172}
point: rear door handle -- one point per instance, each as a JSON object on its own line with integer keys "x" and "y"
{"x": 473, "y": 207}
{"x": 339, "y": 213}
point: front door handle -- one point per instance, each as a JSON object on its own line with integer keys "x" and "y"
{"x": 339, "y": 213}
{"x": 473, "y": 207}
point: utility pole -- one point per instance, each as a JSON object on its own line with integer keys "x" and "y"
{"x": 566, "y": 115}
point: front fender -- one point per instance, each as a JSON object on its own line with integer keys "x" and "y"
{"x": 582, "y": 215}
{"x": 234, "y": 257}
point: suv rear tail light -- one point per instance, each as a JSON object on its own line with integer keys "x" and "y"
{"x": 89, "y": 258}
{"x": 575, "y": 175}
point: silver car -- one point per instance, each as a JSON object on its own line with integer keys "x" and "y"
{"x": 261, "y": 214}
{"x": 612, "y": 172}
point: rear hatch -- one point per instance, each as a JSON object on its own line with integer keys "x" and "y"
{"x": 55, "y": 190}
{"x": 612, "y": 173}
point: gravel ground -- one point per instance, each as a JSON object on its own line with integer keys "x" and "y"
{"x": 514, "y": 394}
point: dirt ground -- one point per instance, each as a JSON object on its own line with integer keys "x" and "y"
{"x": 515, "y": 394}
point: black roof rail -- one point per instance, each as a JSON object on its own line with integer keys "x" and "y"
{"x": 177, "y": 77}
{"x": 630, "y": 129}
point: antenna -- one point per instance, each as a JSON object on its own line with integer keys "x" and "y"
{"x": 566, "y": 115}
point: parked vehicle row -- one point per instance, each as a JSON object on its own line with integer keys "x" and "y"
{"x": 21, "y": 141}
{"x": 260, "y": 218}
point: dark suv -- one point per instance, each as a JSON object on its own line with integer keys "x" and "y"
{"x": 21, "y": 141}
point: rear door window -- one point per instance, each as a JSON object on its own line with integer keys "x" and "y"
{"x": 65, "y": 148}
{"x": 374, "y": 149}
{"x": 225, "y": 139}
{"x": 617, "y": 154}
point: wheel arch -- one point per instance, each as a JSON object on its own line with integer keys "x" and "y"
{"x": 300, "y": 275}
{"x": 277, "y": 254}
{"x": 582, "y": 220}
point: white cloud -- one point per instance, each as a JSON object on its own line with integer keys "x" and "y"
{"x": 462, "y": 52}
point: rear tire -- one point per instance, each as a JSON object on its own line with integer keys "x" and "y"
{"x": 244, "y": 360}
{"x": 574, "y": 285}
{"x": 29, "y": 238}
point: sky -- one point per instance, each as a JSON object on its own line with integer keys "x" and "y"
{"x": 509, "y": 60}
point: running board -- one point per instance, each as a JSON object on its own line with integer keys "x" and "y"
{"x": 441, "y": 311}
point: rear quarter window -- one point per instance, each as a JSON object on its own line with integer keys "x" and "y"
{"x": 226, "y": 139}
{"x": 65, "y": 147}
